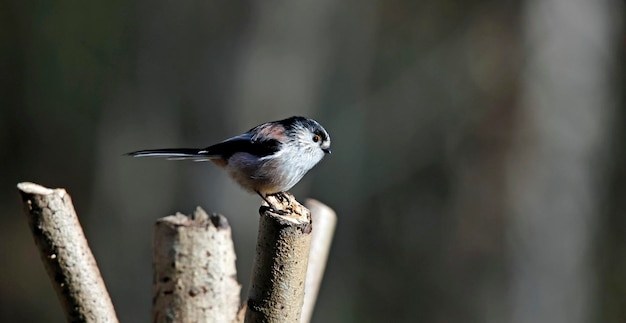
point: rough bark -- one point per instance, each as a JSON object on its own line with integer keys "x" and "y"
{"x": 64, "y": 251}
{"x": 278, "y": 278}
{"x": 324, "y": 220}
{"x": 195, "y": 278}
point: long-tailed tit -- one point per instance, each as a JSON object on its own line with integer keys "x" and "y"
{"x": 268, "y": 159}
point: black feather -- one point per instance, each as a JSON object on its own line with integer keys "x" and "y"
{"x": 253, "y": 147}
{"x": 310, "y": 124}
{"x": 168, "y": 152}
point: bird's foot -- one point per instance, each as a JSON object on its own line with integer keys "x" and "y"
{"x": 281, "y": 197}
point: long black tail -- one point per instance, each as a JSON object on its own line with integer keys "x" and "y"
{"x": 174, "y": 153}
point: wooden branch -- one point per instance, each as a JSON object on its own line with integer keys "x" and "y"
{"x": 64, "y": 251}
{"x": 278, "y": 277}
{"x": 324, "y": 222}
{"x": 195, "y": 278}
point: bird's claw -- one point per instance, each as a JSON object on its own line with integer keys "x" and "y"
{"x": 282, "y": 197}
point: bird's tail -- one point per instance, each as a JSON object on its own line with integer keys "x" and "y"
{"x": 175, "y": 154}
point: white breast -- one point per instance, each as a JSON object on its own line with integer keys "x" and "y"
{"x": 274, "y": 173}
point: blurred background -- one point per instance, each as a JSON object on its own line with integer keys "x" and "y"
{"x": 478, "y": 166}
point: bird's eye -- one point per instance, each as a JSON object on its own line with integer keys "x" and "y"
{"x": 317, "y": 138}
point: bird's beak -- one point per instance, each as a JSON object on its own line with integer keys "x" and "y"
{"x": 326, "y": 150}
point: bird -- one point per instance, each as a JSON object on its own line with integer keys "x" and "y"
{"x": 268, "y": 159}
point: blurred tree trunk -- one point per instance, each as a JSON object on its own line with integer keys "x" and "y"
{"x": 556, "y": 171}
{"x": 440, "y": 203}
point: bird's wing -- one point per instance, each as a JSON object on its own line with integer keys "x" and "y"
{"x": 243, "y": 143}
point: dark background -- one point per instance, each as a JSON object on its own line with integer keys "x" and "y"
{"x": 478, "y": 157}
